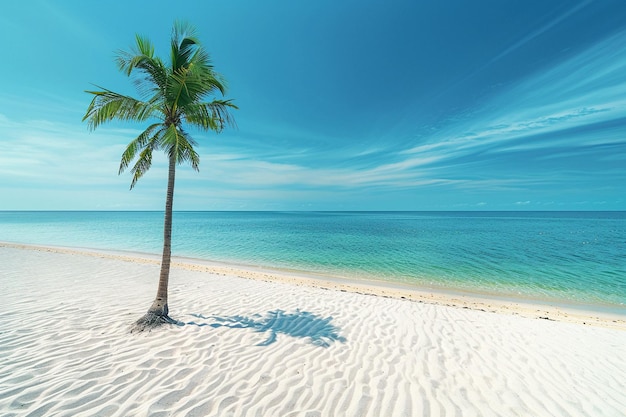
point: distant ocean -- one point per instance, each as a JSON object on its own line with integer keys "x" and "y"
{"x": 572, "y": 258}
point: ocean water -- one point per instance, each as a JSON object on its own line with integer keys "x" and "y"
{"x": 572, "y": 258}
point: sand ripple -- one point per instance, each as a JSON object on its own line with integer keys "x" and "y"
{"x": 66, "y": 350}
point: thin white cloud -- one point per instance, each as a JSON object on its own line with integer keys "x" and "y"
{"x": 531, "y": 108}
{"x": 536, "y": 33}
{"x": 53, "y": 154}
{"x": 562, "y": 98}
{"x": 584, "y": 90}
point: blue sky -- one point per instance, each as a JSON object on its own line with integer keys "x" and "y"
{"x": 351, "y": 105}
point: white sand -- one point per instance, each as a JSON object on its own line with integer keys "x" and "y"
{"x": 65, "y": 348}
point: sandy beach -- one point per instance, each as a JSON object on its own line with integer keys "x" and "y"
{"x": 257, "y": 344}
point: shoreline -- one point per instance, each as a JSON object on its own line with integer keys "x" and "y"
{"x": 252, "y": 344}
{"x": 484, "y": 302}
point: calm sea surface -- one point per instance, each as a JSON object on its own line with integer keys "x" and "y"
{"x": 576, "y": 258}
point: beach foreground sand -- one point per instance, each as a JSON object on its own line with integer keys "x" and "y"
{"x": 257, "y": 348}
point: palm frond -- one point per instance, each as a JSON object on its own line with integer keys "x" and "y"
{"x": 128, "y": 60}
{"x": 144, "y": 162}
{"x": 188, "y": 86}
{"x": 108, "y": 105}
{"x": 216, "y": 82}
{"x": 152, "y": 72}
{"x": 203, "y": 70}
{"x": 192, "y": 77}
{"x": 183, "y": 53}
{"x": 214, "y": 115}
{"x": 179, "y": 144}
{"x": 151, "y": 78}
{"x": 184, "y": 45}
{"x": 139, "y": 143}
{"x": 185, "y": 151}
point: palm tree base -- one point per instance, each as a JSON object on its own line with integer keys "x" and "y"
{"x": 153, "y": 319}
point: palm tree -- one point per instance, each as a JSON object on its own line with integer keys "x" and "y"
{"x": 174, "y": 95}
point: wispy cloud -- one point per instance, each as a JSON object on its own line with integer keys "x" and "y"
{"x": 542, "y": 112}
{"x": 546, "y": 131}
{"x": 539, "y": 31}
{"x": 550, "y": 109}
{"x": 49, "y": 154}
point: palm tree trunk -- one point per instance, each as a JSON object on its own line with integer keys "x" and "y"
{"x": 158, "y": 312}
{"x": 160, "y": 302}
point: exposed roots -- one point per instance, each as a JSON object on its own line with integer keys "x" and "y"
{"x": 153, "y": 319}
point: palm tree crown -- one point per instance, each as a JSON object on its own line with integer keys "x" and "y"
{"x": 174, "y": 94}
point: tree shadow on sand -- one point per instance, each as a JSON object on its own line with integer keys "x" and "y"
{"x": 299, "y": 324}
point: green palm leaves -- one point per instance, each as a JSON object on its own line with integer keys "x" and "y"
{"x": 174, "y": 95}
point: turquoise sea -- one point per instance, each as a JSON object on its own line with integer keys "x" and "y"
{"x": 572, "y": 258}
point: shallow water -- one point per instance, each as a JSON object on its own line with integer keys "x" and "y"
{"x": 576, "y": 258}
